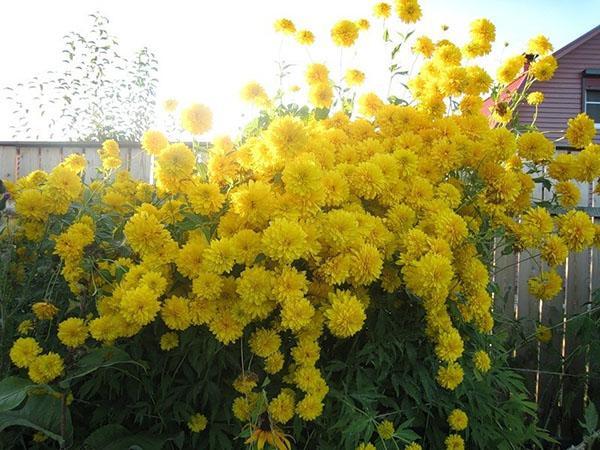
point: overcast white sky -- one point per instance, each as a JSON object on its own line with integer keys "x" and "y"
{"x": 208, "y": 49}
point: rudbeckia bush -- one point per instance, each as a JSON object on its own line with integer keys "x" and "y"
{"x": 323, "y": 281}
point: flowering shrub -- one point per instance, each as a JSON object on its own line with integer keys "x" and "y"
{"x": 324, "y": 282}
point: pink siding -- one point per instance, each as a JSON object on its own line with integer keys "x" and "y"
{"x": 563, "y": 92}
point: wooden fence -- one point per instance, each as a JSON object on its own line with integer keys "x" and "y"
{"x": 558, "y": 374}
{"x": 20, "y": 158}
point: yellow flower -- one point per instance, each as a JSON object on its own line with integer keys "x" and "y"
{"x": 483, "y": 31}
{"x": 255, "y": 94}
{"x": 363, "y": 24}
{"x": 539, "y": 45}
{"x": 197, "y": 119}
{"x": 408, "y": 11}
{"x": 534, "y": 146}
{"x": 310, "y": 407}
{"x": 450, "y": 346}
{"x": 458, "y": 420}
{"x": 205, "y": 198}
{"x": 44, "y": 310}
{"x": 386, "y": 430}
{"x": 154, "y": 141}
{"x": 320, "y": 95}
{"x": 568, "y": 194}
{"x": 140, "y": 305}
{"x": 305, "y": 37}
{"x": 281, "y": 408}
{"x": 287, "y": 136}
{"x": 45, "y": 368}
{"x": 554, "y": 251}
{"x": 382, "y": 10}
{"x": 545, "y": 286}
{"x": 511, "y": 67}
{"x": 72, "y": 332}
{"x": 413, "y": 446}
{"x": 454, "y": 442}
{"x": 24, "y": 351}
{"x": 264, "y": 342}
{"x": 482, "y": 361}
{"x": 197, "y": 423}
{"x": 535, "y": 98}
{"x": 543, "y": 69}
{"x": 429, "y": 276}
{"x": 587, "y": 164}
{"x": 175, "y": 313}
{"x": 76, "y": 162}
{"x": 109, "y": 154}
{"x": 296, "y": 314}
{"x": 170, "y": 105}
{"x": 354, "y": 77}
{"x": 285, "y": 26}
{"x": 169, "y": 341}
{"x": 245, "y": 382}
{"x": 365, "y": 265}
{"x": 450, "y": 376}
{"x": 64, "y": 182}
{"x": 38, "y": 436}
{"x": 424, "y": 46}
{"x": 369, "y": 104}
{"x": 580, "y": 130}
{"x": 285, "y": 240}
{"x": 543, "y": 334}
{"x": 25, "y": 327}
{"x": 176, "y": 161}
{"x": 346, "y": 314}
{"x": 274, "y": 363}
{"x": 344, "y": 33}
{"x": 577, "y": 230}
{"x": 366, "y": 446}
{"x": 317, "y": 73}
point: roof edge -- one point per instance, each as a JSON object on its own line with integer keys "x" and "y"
{"x": 577, "y": 42}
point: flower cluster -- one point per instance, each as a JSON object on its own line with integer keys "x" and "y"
{"x": 290, "y": 236}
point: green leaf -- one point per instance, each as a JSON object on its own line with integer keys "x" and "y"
{"x": 100, "y": 358}
{"x": 13, "y": 391}
{"x": 591, "y": 418}
{"x": 117, "y": 437}
{"x": 42, "y": 413}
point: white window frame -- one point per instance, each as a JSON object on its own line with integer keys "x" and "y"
{"x": 585, "y": 103}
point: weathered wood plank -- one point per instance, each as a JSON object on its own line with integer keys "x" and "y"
{"x": 551, "y": 360}
{"x": 8, "y": 163}
{"x": 94, "y": 163}
{"x": 505, "y": 276}
{"x": 528, "y": 313}
{"x": 29, "y": 160}
{"x": 578, "y": 296}
{"x": 140, "y": 164}
{"x": 50, "y": 157}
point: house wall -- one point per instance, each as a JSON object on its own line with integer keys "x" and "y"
{"x": 563, "y": 92}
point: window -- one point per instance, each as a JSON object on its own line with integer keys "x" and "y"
{"x": 591, "y": 94}
{"x": 592, "y": 105}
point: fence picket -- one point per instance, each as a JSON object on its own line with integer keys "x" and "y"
{"x": 528, "y": 313}
{"x": 140, "y": 164}
{"x": 49, "y": 158}
{"x": 578, "y": 296}
{"x": 94, "y": 163}
{"x": 550, "y": 364}
{"x": 8, "y": 163}
{"x": 29, "y": 160}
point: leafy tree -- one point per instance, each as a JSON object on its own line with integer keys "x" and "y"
{"x": 96, "y": 93}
